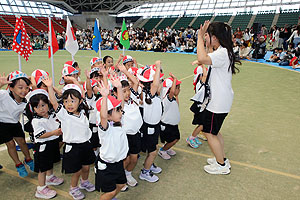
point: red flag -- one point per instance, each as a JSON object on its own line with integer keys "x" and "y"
{"x": 54, "y": 43}
{"x": 21, "y": 42}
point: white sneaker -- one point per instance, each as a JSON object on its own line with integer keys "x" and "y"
{"x": 164, "y": 154}
{"x": 217, "y": 169}
{"x": 149, "y": 176}
{"x": 125, "y": 188}
{"x": 155, "y": 169}
{"x": 171, "y": 152}
{"x": 131, "y": 181}
{"x": 213, "y": 160}
{"x": 46, "y": 193}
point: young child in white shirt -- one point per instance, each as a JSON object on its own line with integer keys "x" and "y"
{"x": 78, "y": 153}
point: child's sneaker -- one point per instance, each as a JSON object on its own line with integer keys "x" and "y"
{"x": 54, "y": 180}
{"x": 148, "y": 176}
{"x": 88, "y": 186}
{"x": 22, "y": 171}
{"x": 45, "y": 193}
{"x": 171, "y": 152}
{"x": 164, "y": 154}
{"x": 1, "y": 167}
{"x": 202, "y": 136}
{"x": 125, "y": 188}
{"x": 197, "y": 141}
{"x": 192, "y": 143}
{"x": 155, "y": 169}
{"x": 76, "y": 194}
{"x": 213, "y": 160}
{"x": 131, "y": 181}
{"x": 217, "y": 169}
{"x": 30, "y": 164}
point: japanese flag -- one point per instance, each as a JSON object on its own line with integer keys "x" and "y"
{"x": 71, "y": 41}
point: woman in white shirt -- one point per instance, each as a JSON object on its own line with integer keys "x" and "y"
{"x": 222, "y": 63}
{"x": 296, "y": 36}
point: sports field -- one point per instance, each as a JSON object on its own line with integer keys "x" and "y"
{"x": 261, "y": 133}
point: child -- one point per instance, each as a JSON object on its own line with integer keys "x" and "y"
{"x": 78, "y": 153}
{"x": 129, "y": 62}
{"x": 199, "y": 80}
{"x": 294, "y": 61}
{"x": 110, "y": 175}
{"x": 131, "y": 122}
{"x": 12, "y": 104}
{"x": 152, "y": 110}
{"x": 46, "y": 133}
{"x": 222, "y": 60}
{"x": 68, "y": 71}
{"x": 170, "y": 117}
{"x": 96, "y": 62}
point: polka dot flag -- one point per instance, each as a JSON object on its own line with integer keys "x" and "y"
{"x": 21, "y": 44}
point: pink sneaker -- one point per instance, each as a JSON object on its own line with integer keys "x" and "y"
{"x": 76, "y": 194}
{"x": 164, "y": 154}
{"x": 54, "y": 181}
{"x": 46, "y": 193}
{"x": 88, "y": 186}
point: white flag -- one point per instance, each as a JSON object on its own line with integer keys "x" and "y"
{"x": 71, "y": 41}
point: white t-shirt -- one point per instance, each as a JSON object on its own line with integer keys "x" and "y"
{"x": 44, "y": 125}
{"x": 152, "y": 112}
{"x": 75, "y": 128}
{"x": 220, "y": 82}
{"x": 92, "y": 113}
{"x": 132, "y": 119}
{"x": 114, "y": 143}
{"x": 171, "y": 114}
{"x": 10, "y": 109}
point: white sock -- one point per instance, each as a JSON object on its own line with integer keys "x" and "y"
{"x": 40, "y": 188}
{"x": 127, "y": 172}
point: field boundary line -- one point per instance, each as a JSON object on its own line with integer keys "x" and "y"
{"x": 243, "y": 164}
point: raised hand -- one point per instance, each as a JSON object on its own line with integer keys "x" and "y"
{"x": 104, "y": 91}
{"x": 115, "y": 81}
{"x": 157, "y": 63}
{"x": 172, "y": 76}
{"x": 122, "y": 68}
{"x": 47, "y": 81}
{"x": 104, "y": 71}
{"x": 195, "y": 62}
{"x": 87, "y": 73}
{"x": 70, "y": 79}
{"x": 3, "y": 80}
{"x": 203, "y": 28}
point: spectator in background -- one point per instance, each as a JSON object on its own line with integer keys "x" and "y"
{"x": 247, "y": 36}
{"x": 275, "y": 36}
{"x": 259, "y": 47}
{"x": 244, "y": 51}
{"x": 295, "y": 36}
{"x": 37, "y": 44}
{"x": 238, "y": 34}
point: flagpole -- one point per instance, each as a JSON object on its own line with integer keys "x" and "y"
{"x": 73, "y": 59}
{"x": 100, "y": 50}
{"x": 123, "y": 50}
{"x": 51, "y": 50}
{"x": 20, "y": 65}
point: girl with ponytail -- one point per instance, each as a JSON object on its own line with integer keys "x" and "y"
{"x": 218, "y": 36}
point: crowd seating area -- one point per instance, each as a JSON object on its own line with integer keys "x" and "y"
{"x": 33, "y": 26}
{"x": 241, "y": 21}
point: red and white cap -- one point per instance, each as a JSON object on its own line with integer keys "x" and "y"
{"x": 69, "y": 63}
{"x": 197, "y": 71}
{"x": 167, "y": 84}
{"x": 16, "y": 75}
{"x": 68, "y": 70}
{"x": 112, "y": 103}
{"x": 93, "y": 84}
{"x": 94, "y": 60}
{"x": 38, "y": 74}
{"x": 133, "y": 70}
{"x": 72, "y": 87}
{"x": 127, "y": 59}
{"x": 146, "y": 73}
{"x": 39, "y": 91}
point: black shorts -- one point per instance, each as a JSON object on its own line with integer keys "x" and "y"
{"x": 95, "y": 137}
{"x": 134, "y": 143}
{"x": 45, "y": 155}
{"x": 149, "y": 137}
{"x": 169, "y": 133}
{"x": 10, "y": 130}
{"x": 108, "y": 175}
{"x": 212, "y": 122}
{"x": 76, "y": 155}
{"x": 198, "y": 119}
